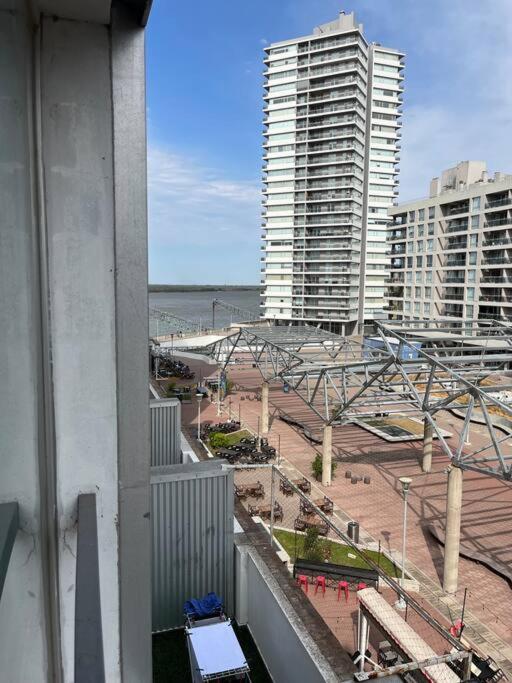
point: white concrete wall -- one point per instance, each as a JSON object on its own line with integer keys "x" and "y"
{"x": 286, "y": 647}
{"x": 77, "y": 140}
{"x": 22, "y": 626}
{"x": 74, "y": 412}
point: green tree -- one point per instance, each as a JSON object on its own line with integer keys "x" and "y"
{"x": 317, "y": 467}
{"x": 312, "y": 548}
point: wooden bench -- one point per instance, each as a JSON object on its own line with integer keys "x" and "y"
{"x": 265, "y": 511}
{"x": 337, "y": 572}
{"x": 254, "y": 490}
{"x": 303, "y": 484}
{"x": 302, "y": 523}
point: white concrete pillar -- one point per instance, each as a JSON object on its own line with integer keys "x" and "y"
{"x": 327, "y": 455}
{"x": 364, "y": 632}
{"x": 452, "y": 535}
{"x": 428, "y": 430}
{"x": 264, "y": 408}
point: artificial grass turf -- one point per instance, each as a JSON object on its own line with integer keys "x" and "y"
{"x": 293, "y": 544}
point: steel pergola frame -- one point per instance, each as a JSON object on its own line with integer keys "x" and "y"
{"x": 342, "y": 380}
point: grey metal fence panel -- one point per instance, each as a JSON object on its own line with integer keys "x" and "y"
{"x": 165, "y": 432}
{"x": 192, "y": 528}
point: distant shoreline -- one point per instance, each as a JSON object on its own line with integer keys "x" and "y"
{"x": 203, "y": 288}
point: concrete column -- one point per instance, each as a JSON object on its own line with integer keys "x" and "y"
{"x": 264, "y": 408}
{"x": 426, "y": 465}
{"x": 452, "y": 535}
{"x": 327, "y": 455}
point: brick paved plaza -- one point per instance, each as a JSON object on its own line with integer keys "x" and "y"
{"x": 487, "y": 502}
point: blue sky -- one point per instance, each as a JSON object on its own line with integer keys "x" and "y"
{"x": 204, "y": 65}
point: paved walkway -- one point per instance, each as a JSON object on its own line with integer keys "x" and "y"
{"x": 487, "y": 506}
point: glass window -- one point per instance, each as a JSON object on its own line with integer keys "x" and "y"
{"x": 475, "y": 203}
{"x": 421, "y": 214}
{"x": 410, "y": 231}
{"x": 409, "y": 277}
{"x": 417, "y": 292}
{"x": 421, "y": 230}
{"x": 407, "y": 306}
{"x": 431, "y": 211}
{"x": 418, "y": 277}
{"x": 473, "y": 241}
{"x": 471, "y": 294}
{"x": 426, "y": 308}
{"x": 410, "y": 247}
{"x": 419, "y": 261}
{"x": 471, "y": 275}
{"x": 469, "y": 311}
{"x": 430, "y": 228}
{"x": 412, "y": 214}
{"x": 475, "y": 222}
{"x": 472, "y": 258}
{"x": 409, "y": 262}
{"x": 408, "y": 291}
{"x": 430, "y": 245}
{"x": 417, "y": 307}
{"x": 428, "y": 276}
{"x": 430, "y": 260}
{"x": 428, "y": 292}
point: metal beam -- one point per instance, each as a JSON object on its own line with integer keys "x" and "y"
{"x": 89, "y": 663}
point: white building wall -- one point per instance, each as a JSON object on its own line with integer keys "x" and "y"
{"x": 65, "y": 249}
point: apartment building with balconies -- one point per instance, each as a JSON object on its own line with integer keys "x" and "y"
{"x": 332, "y": 125}
{"x": 451, "y": 253}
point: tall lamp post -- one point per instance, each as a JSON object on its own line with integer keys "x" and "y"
{"x": 199, "y": 397}
{"x": 406, "y": 485}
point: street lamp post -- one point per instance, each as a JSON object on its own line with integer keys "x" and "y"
{"x": 218, "y": 392}
{"x": 406, "y": 484}
{"x": 199, "y": 397}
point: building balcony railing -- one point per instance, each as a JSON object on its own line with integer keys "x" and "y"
{"x": 452, "y": 296}
{"x": 459, "y": 227}
{"x": 496, "y": 260}
{"x": 498, "y": 221}
{"x": 500, "y": 241}
{"x": 450, "y": 263}
{"x": 502, "y": 201}
{"x": 450, "y": 246}
{"x": 498, "y": 279}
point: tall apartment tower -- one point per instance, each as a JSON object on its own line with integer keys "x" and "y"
{"x": 451, "y": 252}
{"x": 332, "y": 107}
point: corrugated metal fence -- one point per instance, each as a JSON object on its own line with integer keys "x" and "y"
{"x": 192, "y": 527}
{"x": 165, "y": 432}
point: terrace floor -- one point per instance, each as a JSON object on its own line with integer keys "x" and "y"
{"x": 487, "y": 502}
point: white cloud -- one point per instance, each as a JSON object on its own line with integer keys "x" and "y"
{"x": 263, "y": 41}
{"x": 464, "y": 109}
{"x": 192, "y": 204}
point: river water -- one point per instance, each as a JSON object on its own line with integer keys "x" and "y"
{"x": 197, "y": 307}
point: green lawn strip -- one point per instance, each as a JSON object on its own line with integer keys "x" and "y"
{"x": 292, "y": 543}
{"x": 235, "y": 437}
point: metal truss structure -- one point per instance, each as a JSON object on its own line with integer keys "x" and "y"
{"x": 174, "y": 322}
{"x": 419, "y": 368}
{"x": 247, "y": 316}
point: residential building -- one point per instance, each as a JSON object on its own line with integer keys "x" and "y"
{"x": 451, "y": 252}
{"x": 332, "y": 106}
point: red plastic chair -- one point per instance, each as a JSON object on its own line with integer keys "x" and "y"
{"x": 456, "y": 628}
{"x": 302, "y": 580}
{"x": 343, "y": 586}
{"x": 361, "y": 585}
{"x": 320, "y": 583}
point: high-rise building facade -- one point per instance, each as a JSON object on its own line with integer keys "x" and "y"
{"x": 451, "y": 252}
{"x": 332, "y": 128}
